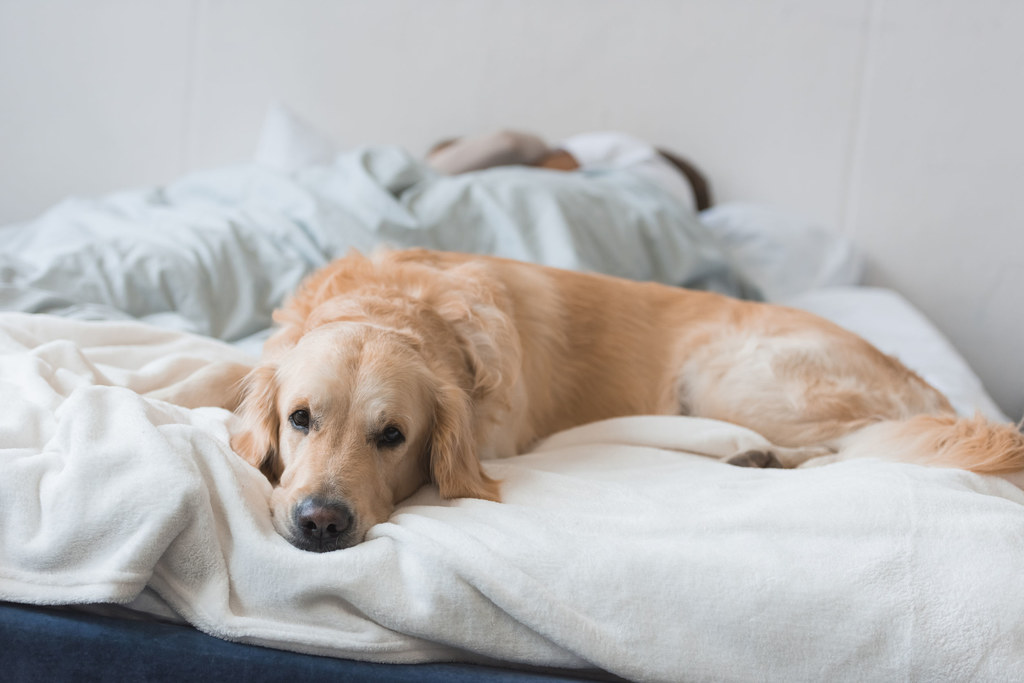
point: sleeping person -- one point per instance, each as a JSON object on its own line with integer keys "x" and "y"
{"x": 585, "y": 151}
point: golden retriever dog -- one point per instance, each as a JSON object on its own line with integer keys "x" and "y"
{"x": 412, "y": 366}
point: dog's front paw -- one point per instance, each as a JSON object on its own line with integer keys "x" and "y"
{"x": 760, "y": 459}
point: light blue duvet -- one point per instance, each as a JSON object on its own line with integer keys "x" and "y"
{"x": 216, "y": 252}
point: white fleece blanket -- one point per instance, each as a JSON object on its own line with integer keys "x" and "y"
{"x": 619, "y": 545}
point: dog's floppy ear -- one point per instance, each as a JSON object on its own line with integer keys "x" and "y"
{"x": 454, "y": 464}
{"x": 258, "y": 443}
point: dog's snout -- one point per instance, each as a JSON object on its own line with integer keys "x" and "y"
{"x": 321, "y": 525}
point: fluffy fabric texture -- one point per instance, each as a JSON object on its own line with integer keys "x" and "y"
{"x": 620, "y": 545}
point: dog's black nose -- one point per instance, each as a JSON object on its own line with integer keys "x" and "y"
{"x": 321, "y": 524}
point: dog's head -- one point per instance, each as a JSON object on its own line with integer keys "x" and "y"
{"x": 355, "y": 416}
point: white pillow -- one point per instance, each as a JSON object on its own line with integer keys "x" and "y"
{"x": 288, "y": 143}
{"x": 782, "y": 253}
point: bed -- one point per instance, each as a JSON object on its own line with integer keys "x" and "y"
{"x": 135, "y": 544}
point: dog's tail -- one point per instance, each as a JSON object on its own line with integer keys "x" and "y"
{"x": 976, "y": 444}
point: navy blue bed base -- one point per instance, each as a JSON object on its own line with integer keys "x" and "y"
{"x": 47, "y": 644}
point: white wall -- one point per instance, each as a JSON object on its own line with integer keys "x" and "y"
{"x": 938, "y": 173}
{"x": 896, "y": 121}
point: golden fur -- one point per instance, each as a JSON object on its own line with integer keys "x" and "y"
{"x": 469, "y": 357}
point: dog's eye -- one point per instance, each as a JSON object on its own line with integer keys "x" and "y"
{"x": 390, "y": 437}
{"x": 300, "y": 420}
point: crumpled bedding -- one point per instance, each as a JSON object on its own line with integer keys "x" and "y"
{"x": 622, "y": 545}
{"x": 215, "y": 252}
